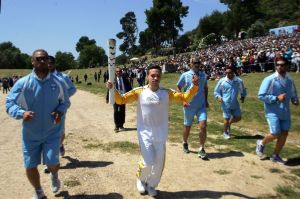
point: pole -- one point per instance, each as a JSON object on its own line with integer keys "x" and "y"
{"x": 111, "y": 67}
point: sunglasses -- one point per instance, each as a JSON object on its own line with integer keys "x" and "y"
{"x": 280, "y": 65}
{"x": 118, "y": 71}
{"x": 39, "y": 59}
{"x": 196, "y": 62}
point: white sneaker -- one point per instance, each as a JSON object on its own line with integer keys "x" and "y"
{"x": 226, "y": 135}
{"x": 141, "y": 186}
{"x": 151, "y": 191}
{"x": 39, "y": 194}
{"x": 55, "y": 183}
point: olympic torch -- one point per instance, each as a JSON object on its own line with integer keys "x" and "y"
{"x": 111, "y": 67}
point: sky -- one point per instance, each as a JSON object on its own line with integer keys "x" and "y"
{"x": 57, "y": 25}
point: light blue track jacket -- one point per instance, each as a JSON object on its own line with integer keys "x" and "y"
{"x": 185, "y": 82}
{"x": 270, "y": 88}
{"x": 228, "y": 90}
{"x": 42, "y": 97}
{"x": 67, "y": 82}
{"x": 70, "y": 89}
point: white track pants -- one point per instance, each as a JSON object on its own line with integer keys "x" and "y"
{"x": 151, "y": 167}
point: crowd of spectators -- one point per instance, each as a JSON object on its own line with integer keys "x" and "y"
{"x": 245, "y": 56}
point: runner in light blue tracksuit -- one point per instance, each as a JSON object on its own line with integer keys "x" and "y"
{"x": 71, "y": 91}
{"x": 197, "y": 106}
{"x": 226, "y": 92}
{"x": 277, "y": 91}
{"x": 40, "y": 99}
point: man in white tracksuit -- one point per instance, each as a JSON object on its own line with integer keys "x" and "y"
{"x": 40, "y": 99}
{"x": 152, "y": 125}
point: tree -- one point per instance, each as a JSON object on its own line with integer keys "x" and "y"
{"x": 241, "y": 14}
{"x": 129, "y": 33}
{"x": 64, "y": 61}
{"x": 92, "y": 56}
{"x": 257, "y": 29}
{"x": 211, "y": 24}
{"x": 121, "y": 59}
{"x": 83, "y": 42}
{"x": 146, "y": 40}
{"x": 164, "y": 21}
{"x": 11, "y": 57}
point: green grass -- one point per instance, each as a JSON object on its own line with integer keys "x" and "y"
{"x": 222, "y": 172}
{"x": 72, "y": 182}
{"x": 122, "y": 146}
{"x": 296, "y": 172}
{"x": 12, "y": 72}
{"x": 288, "y": 192}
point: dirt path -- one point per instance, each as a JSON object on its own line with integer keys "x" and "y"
{"x": 94, "y": 173}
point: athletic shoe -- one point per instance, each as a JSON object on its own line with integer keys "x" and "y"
{"x": 141, "y": 186}
{"x": 122, "y": 129}
{"x": 202, "y": 154}
{"x": 55, "y": 183}
{"x": 185, "y": 147}
{"x": 116, "y": 130}
{"x": 226, "y": 135}
{"x": 277, "y": 159}
{"x": 46, "y": 170}
{"x": 39, "y": 194}
{"x": 62, "y": 150}
{"x": 151, "y": 191}
{"x": 260, "y": 148}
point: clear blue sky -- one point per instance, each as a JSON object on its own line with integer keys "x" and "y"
{"x": 57, "y": 25}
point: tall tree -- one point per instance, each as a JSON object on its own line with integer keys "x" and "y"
{"x": 129, "y": 33}
{"x": 11, "y": 57}
{"x": 84, "y": 41}
{"x": 164, "y": 20}
{"x": 92, "y": 56}
{"x": 211, "y": 24}
{"x": 241, "y": 14}
{"x": 65, "y": 60}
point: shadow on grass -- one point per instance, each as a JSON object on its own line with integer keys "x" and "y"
{"x": 65, "y": 194}
{"x": 199, "y": 194}
{"x": 242, "y": 137}
{"x": 293, "y": 162}
{"x": 75, "y": 163}
{"x": 225, "y": 155}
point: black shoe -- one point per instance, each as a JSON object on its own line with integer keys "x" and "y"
{"x": 186, "y": 148}
{"x": 116, "y": 130}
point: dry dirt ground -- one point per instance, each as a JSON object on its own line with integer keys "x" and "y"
{"x": 95, "y": 173}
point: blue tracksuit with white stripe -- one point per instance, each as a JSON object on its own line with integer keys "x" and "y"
{"x": 41, "y": 97}
{"x": 228, "y": 90}
{"x": 71, "y": 90}
{"x": 271, "y": 87}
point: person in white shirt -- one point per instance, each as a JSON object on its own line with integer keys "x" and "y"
{"x": 152, "y": 124}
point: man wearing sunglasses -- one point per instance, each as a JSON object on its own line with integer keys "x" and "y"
{"x": 40, "y": 100}
{"x": 226, "y": 92}
{"x": 277, "y": 91}
{"x": 197, "y": 106}
{"x": 71, "y": 91}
